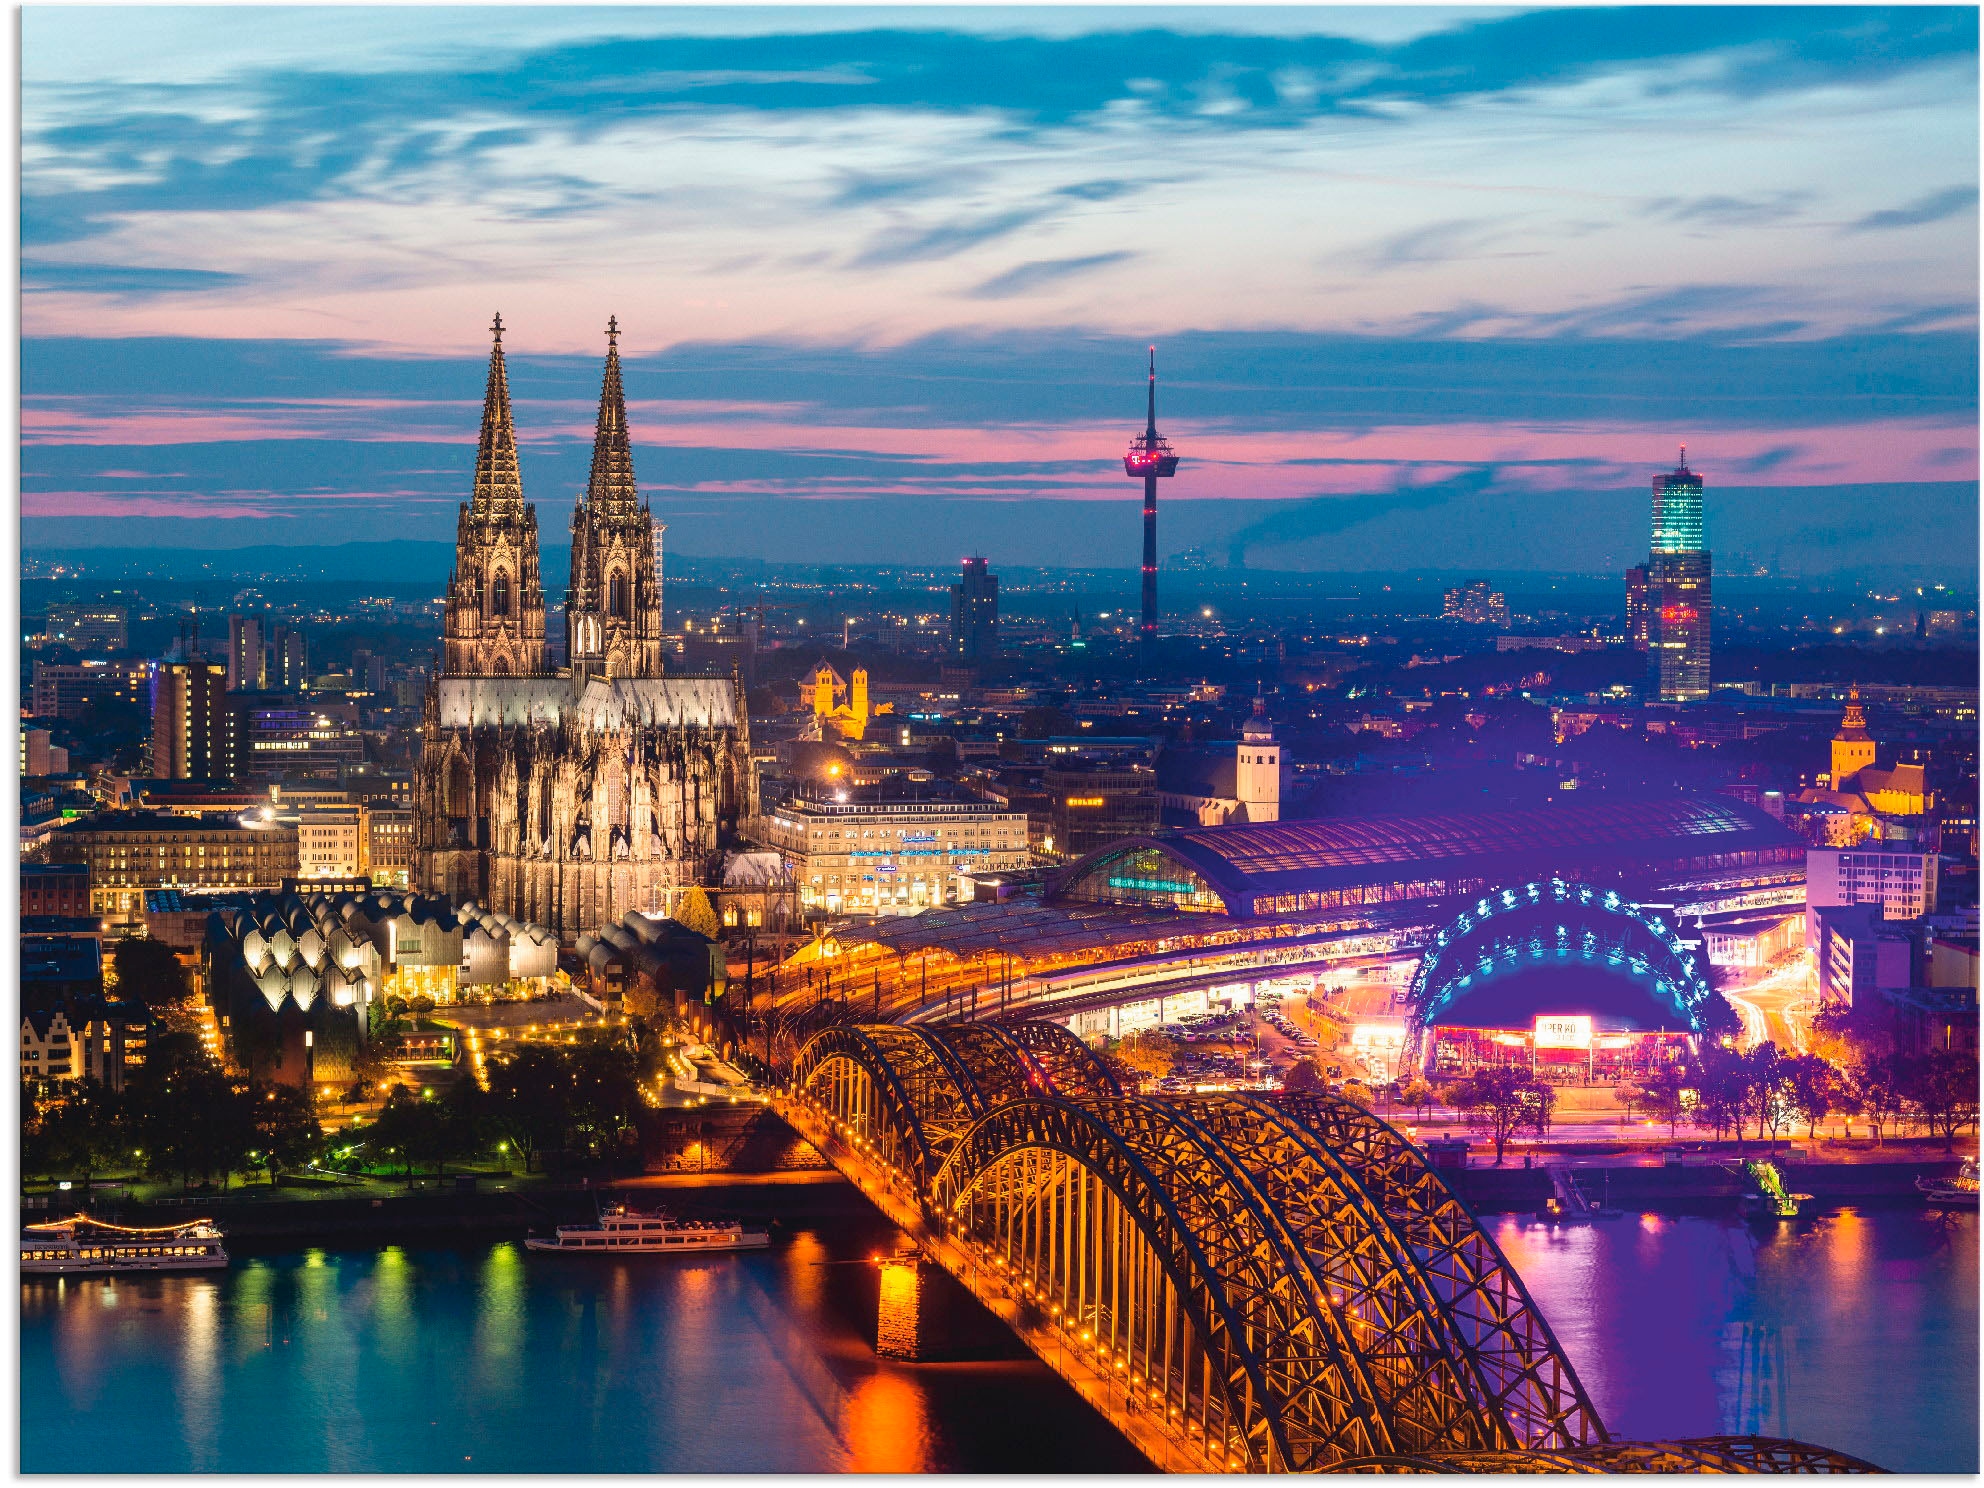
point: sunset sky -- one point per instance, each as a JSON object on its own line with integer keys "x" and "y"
{"x": 1430, "y": 287}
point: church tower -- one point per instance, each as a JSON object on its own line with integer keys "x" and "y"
{"x": 1257, "y": 768}
{"x": 495, "y": 607}
{"x": 1852, "y": 746}
{"x": 613, "y": 609}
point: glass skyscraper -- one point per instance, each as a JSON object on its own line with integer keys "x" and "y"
{"x": 1677, "y": 606}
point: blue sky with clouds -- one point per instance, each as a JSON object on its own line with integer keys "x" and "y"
{"x": 1408, "y": 268}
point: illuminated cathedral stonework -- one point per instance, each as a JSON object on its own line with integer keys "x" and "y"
{"x": 569, "y": 796}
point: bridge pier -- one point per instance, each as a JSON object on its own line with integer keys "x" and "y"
{"x": 902, "y": 1313}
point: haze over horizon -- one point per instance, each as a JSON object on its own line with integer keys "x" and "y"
{"x": 1430, "y": 286}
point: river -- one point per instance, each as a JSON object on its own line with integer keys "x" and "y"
{"x": 1856, "y": 1329}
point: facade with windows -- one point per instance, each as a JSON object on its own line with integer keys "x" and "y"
{"x": 1901, "y": 884}
{"x": 129, "y": 852}
{"x": 882, "y": 856}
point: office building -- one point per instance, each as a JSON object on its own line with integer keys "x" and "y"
{"x": 332, "y": 842}
{"x": 975, "y": 613}
{"x": 883, "y": 851}
{"x": 287, "y": 665}
{"x": 1477, "y": 603}
{"x": 1636, "y": 617}
{"x": 1096, "y": 803}
{"x": 1901, "y": 884}
{"x": 1860, "y": 954}
{"x": 1678, "y": 609}
{"x": 55, "y": 889}
{"x": 129, "y": 852}
{"x": 247, "y": 654}
{"x": 66, "y": 689}
{"x": 299, "y": 740}
{"x": 194, "y": 733}
{"x": 39, "y": 757}
{"x": 87, "y": 627}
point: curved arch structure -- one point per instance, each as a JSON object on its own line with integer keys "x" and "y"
{"x": 1702, "y": 1454}
{"x": 1264, "y": 1283}
{"x": 1555, "y": 922}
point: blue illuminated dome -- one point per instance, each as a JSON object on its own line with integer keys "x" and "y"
{"x": 1553, "y": 947}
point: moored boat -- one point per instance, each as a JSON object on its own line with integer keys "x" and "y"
{"x": 1959, "y": 1192}
{"x": 620, "y": 1231}
{"x": 81, "y": 1245}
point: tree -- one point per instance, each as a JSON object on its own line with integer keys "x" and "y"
{"x": 80, "y": 1135}
{"x": 1943, "y": 1087}
{"x": 695, "y": 913}
{"x": 1881, "y": 1084}
{"x": 1771, "y": 1099}
{"x": 1813, "y": 1087}
{"x": 1303, "y": 1075}
{"x": 1147, "y": 1055}
{"x": 148, "y": 972}
{"x": 1723, "y": 1090}
{"x": 413, "y": 1131}
{"x": 1661, "y": 1091}
{"x": 1628, "y": 1096}
{"x": 286, "y": 1131}
{"x": 194, "y": 1119}
{"x": 1416, "y": 1094}
{"x": 1046, "y": 723}
{"x": 1502, "y": 1101}
{"x": 606, "y": 1092}
{"x": 529, "y": 1099}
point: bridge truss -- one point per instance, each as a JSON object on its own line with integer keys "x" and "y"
{"x": 1269, "y": 1283}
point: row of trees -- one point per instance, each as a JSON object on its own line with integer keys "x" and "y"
{"x": 184, "y": 1119}
{"x": 1773, "y": 1093}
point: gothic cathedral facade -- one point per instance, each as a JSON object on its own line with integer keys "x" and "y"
{"x": 569, "y": 795}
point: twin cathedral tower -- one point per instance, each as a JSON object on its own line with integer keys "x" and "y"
{"x": 569, "y": 795}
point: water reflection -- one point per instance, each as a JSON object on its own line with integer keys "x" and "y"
{"x": 1695, "y": 1326}
{"x": 1855, "y": 1330}
{"x": 885, "y": 1426}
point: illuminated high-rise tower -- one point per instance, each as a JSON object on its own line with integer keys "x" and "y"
{"x": 1678, "y": 606}
{"x": 1150, "y": 456}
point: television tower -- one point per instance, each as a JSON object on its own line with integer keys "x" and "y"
{"x": 1150, "y": 456}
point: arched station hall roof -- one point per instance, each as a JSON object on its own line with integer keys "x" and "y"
{"x": 1242, "y": 870}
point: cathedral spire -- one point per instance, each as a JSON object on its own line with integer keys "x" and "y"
{"x": 613, "y": 607}
{"x": 611, "y": 490}
{"x": 498, "y": 484}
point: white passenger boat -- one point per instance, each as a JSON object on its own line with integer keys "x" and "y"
{"x": 1959, "y": 1192}
{"x": 621, "y": 1232}
{"x": 81, "y": 1245}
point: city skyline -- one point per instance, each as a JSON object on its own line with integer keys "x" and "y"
{"x": 1396, "y": 313}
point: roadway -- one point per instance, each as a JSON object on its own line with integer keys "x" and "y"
{"x": 1778, "y": 1007}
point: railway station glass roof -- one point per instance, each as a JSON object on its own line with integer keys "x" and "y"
{"x": 1237, "y": 862}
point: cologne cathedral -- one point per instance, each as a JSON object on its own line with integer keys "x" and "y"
{"x": 569, "y": 795}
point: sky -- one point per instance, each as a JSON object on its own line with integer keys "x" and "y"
{"x": 1429, "y": 287}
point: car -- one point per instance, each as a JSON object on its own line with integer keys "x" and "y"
{"x": 1335, "y": 1072}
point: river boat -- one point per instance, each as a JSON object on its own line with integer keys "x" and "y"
{"x": 79, "y": 1246}
{"x": 1959, "y": 1192}
{"x": 620, "y": 1231}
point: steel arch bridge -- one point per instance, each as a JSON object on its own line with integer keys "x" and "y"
{"x": 1238, "y": 1282}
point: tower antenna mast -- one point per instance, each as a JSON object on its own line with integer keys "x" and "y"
{"x": 1151, "y": 458}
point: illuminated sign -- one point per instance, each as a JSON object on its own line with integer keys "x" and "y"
{"x": 1563, "y": 1032}
{"x": 1085, "y": 800}
{"x": 1155, "y": 885}
{"x": 1378, "y": 1036}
